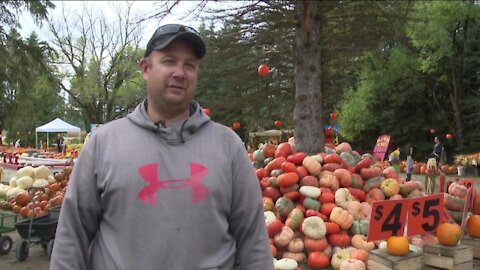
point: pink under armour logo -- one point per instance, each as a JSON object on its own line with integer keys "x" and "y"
{"x": 149, "y": 173}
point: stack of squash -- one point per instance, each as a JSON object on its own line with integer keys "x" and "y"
{"x": 455, "y": 200}
{"x": 317, "y": 207}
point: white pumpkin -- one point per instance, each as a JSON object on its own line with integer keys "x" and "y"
{"x": 13, "y": 181}
{"x": 285, "y": 264}
{"x": 39, "y": 183}
{"x": 314, "y": 227}
{"x": 310, "y": 192}
{"x": 25, "y": 182}
{"x": 12, "y": 192}
{"x": 269, "y": 217}
{"x": 25, "y": 171}
{"x": 41, "y": 172}
{"x": 3, "y": 190}
{"x": 51, "y": 179}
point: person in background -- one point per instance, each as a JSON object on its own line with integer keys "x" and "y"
{"x": 437, "y": 149}
{"x": 394, "y": 159}
{"x": 165, "y": 187}
{"x": 17, "y": 143}
{"x": 59, "y": 142}
{"x": 409, "y": 166}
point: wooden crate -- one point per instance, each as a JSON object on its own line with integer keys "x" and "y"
{"x": 436, "y": 256}
{"x": 379, "y": 259}
{"x": 474, "y": 243}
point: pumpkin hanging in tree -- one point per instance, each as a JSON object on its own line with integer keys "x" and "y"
{"x": 207, "y": 111}
{"x": 263, "y": 70}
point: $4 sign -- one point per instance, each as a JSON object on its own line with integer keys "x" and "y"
{"x": 388, "y": 218}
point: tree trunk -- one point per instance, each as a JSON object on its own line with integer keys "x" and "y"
{"x": 458, "y": 48}
{"x": 308, "y": 113}
{"x": 457, "y": 118}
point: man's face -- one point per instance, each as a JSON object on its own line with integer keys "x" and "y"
{"x": 171, "y": 75}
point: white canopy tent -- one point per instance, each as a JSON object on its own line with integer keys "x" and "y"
{"x": 57, "y": 125}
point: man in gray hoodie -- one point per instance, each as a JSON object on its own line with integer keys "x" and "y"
{"x": 180, "y": 195}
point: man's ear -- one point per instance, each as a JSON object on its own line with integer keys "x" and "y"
{"x": 143, "y": 66}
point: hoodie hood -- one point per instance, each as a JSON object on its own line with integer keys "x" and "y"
{"x": 174, "y": 133}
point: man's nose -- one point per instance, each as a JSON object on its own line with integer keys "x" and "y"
{"x": 179, "y": 72}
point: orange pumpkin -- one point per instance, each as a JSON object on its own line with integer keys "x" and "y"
{"x": 423, "y": 169}
{"x": 283, "y": 150}
{"x": 269, "y": 150}
{"x": 341, "y": 217}
{"x": 302, "y": 171}
{"x": 315, "y": 244}
{"x": 390, "y": 187}
{"x": 449, "y": 234}
{"x": 397, "y": 245}
{"x": 317, "y": 260}
{"x": 359, "y": 254}
{"x": 371, "y": 172}
{"x": 473, "y": 226}
{"x": 275, "y": 164}
{"x": 287, "y": 179}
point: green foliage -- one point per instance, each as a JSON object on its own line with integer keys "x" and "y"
{"x": 425, "y": 80}
{"x": 23, "y": 61}
{"x": 32, "y": 94}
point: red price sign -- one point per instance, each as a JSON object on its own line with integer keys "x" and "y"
{"x": 425, "y": 214}
{"x": 388, "y": 218}
{"x": 468, "y": 183}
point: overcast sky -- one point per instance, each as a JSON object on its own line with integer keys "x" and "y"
{"x": 108, "y": 9}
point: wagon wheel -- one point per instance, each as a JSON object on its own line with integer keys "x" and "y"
{"x": 22, "y": 251}
{"x": 50, "y": 248}
{"x": 5, "y": 244}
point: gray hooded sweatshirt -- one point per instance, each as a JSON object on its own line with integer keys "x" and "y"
{"x": 177, "y": 197}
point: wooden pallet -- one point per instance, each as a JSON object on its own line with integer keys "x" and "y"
{"x": 474, "y": 243}
{"x": 436, "y": 256}
{"x": 379, "y": 259}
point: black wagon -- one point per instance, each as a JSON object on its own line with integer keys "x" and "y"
{"x": 38, "y": 230}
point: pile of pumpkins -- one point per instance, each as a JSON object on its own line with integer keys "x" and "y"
{"x": 317, "y": 207}
{"x": 421, "y": 168}
{"x": 33, "y": 191}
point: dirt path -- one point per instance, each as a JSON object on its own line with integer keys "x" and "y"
{"x": 37, "y": 258}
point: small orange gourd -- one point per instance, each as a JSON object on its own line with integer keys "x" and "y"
{"x": 397, "y": 245}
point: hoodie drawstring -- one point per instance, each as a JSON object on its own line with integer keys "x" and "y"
{"x": 181, "y": 130}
